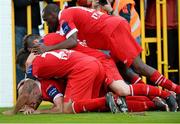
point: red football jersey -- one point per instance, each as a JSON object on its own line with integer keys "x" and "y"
{"x": 92, "y": 25}
{"x": 111, "y": 70}
{"x": 51, "y": 89}
{"x": 55, "y": 38}
{"x": 59, "y": 63}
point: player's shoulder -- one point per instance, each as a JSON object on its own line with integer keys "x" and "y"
{"x": 80, "y": 8}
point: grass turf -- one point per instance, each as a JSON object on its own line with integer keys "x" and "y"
{"x": 148, "y": 117}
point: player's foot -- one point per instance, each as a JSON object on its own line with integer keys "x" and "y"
{"x": 111, "y": 103}
{"x": 178, "y": 101}
{"x": 172, "y": 104}
{"x": 121, "y": 103}
{"x": 160, "y": 104}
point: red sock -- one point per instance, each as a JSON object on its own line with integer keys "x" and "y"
{"x": 89, "y": 105}
{"x": 136, "y": 79}
{"x": 147, "y": 90}
{"x": 139, "y": 106}
{"x": 160, "y": 80}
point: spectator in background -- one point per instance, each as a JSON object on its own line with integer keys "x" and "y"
{"x": 21, "y": 24}
{"x": 172, "y": 23}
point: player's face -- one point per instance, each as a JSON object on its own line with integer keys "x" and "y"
{"x": 33, "y": 43}
{"x": 51, "y": 20}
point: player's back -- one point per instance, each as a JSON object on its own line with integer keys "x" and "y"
{"x": 55, "y": 38}
{"x": 92, "y": 25}
{"x": 86, "y": 20}
{"x": 59, "y": 63}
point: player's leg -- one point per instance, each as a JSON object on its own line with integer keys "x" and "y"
{"x": 129, "y": 74}
{"x": 122, "y": 89}
{"x": 154, "y": 76}
{"x": 118, "y": 85}
{"x": 119, "y": 44}
{"x": 85, "y": 105}
{"x": 81, "y": 82}
{"x": 158, "y": 103}
{"x": 139, "y": 106}
{"x": 90, "y": 105}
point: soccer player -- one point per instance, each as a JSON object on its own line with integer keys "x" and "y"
{"x": 101, "y": 31}
{"x": 84, "y": 74}
{"x": 113, "y": 77}
{"x": 53, "y": 91}
{"x": 32, "y": 92}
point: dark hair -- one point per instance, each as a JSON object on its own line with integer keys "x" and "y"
{"x": 21, "y": 57}
{"x": 51, "y": 8}
{"x": 28, "y": 40}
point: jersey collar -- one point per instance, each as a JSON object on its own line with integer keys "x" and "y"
{"x": 59, "y": 15}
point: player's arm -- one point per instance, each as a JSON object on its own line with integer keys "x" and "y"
{"x": 68, "y": 30}
{"x": 57, "y": 98}
{"x": 57, "y": 107}
{"x": 28, "y": 65}
{"x": 66, "y": 44}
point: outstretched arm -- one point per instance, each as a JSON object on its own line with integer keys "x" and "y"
{"x": 66, "y": 44}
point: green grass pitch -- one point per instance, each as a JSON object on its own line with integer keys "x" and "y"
{"x": 95, "y": 117}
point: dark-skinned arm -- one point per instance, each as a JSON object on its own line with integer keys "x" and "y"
{"x": 66, "y": 44}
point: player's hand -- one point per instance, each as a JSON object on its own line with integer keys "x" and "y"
{"x": 107, "y": 7}
{"x": 28, "y": 111}
{"x": 9, "y": 112}
{"x": 29, "y": 61}
{"x": 39, "y": 49}
{"x": 36, "y": 112}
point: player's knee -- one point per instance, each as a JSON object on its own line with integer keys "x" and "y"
{"x": 68, "y": 108}
{"x": 122, "y": 92}
{"x": 120, "y": 88}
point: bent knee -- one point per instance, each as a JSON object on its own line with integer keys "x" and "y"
{"x": 120, "y": 88}
{"x": 68, "y": 108}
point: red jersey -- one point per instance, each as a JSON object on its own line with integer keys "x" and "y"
{"x": 51, "y": 89}
{"x": 109, "y": 65}
{"x": 59, "y": 63}
{"x": 92, "y": 25}
{"x": 55, "y": 38}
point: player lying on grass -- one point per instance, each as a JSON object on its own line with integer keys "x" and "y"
{"x": 113, "y": 78}
{"x": 32, "y": 92}
{"x": 101, "y": 31}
